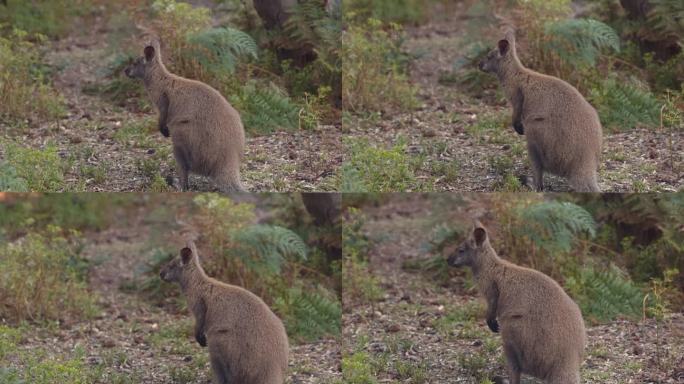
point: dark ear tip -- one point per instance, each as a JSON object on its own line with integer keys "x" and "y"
{"x": 185, "y": 253}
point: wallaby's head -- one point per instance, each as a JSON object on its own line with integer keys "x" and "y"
{"x": 469, "y": 250}
{"x": 145, "y": 64}
{"x": 174, "y": 269}
{"x": 501, "y": 56}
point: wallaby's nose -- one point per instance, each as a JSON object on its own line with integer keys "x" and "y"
{"x": 127, "y": 71}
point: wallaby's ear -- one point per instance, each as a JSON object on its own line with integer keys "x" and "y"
{"x": 149, "y": 53}
{"x": 503, "y": 47}
{"x": 479, "y": 234}
{"x": 186, "y": 255}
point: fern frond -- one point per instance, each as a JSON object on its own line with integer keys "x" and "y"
{"x": 581, "y": 40}
{"x": 267, "y": 247}
{"x": 264, "y": 108}
{"x": 605, "y": 295}
{"x": 554, "y": 225}
{"x": 623, "y": 105}
{"x": 308, "y": 315}
{"x": 221, "y": 49}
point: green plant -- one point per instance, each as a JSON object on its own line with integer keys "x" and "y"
{"x": 221, "y": 49}
{"x": 622, "y": 105}
{"x": 265, "y": 248}
{"x": 358, "y": 282}
{"x": 400, "y": 11}
{"x": 52, "y": 287}
{"x": 311, "y": 25}
{"x": 25, "y": 90}
{"x": 373, "y": 169}
{"x": 579, "y": 42}
{"x": 553, "y": 226}
{"x": 48, "y": 17}
{"x": 308, "y": 315}
{"x": 373, "y": 75}
{"x": 603, "y": 295}
{"x": 265, "y": 108}
{"x": 9, "y": 337}
{"x": 10, "y": 181}
{"x": 356, "y": 369}
{"x": 43, "y": 170}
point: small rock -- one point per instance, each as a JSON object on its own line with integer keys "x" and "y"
{"x": 477, "y": 343}
{"x": 506, "y": 147}
{"x": 429, "y": 132}
{"x": 151, "y": 151}
{"x": 187, "y": 359}
{"x": 108, "y": 343}
{"x": 394, "y": 328}
{"x": 637, "y": 350}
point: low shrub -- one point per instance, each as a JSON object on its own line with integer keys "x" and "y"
{"x": 43, "y": 278}
{"x": 25, "y": 89}
{"x": 374, "y": 77}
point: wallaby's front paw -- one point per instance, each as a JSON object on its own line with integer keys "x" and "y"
{"x": 519, "y": 128}
{"x": 164, "y": 131}
{"x": 201, "y": 339}
{"x": 493, "y": 325}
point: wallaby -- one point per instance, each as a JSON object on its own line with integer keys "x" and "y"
{"x": 563, "y": 130}
{"x": 207, "y": 133}
{"x": 541, "y": 327}
{"x": 247, "y": 342}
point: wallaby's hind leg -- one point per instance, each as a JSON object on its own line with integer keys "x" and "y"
{"x": 568, "y": 378}
{"x": 537, "y": 167}
{"x": 229, "y": 181}
{"x": 512, "y": 364}
{"x": 221, "y": 374}
{"x": 183, "y": 163}
{"x": 584, "y": 182}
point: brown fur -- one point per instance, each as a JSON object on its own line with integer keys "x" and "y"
{"x": 207, "y": 133}
{"x": 246, "y": 340}
{"x": 541, "y": 327}
{"x": 563, "y": 130}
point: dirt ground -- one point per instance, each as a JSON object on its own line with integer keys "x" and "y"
{"x": 283, "y": 161}
{"x": 441, "y": 129}
{"x": 419, "y": 318}
{"x": 140, "y": 341}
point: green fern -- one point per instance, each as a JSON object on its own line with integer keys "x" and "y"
{"x": 309, "y": 315}
{"x": 221, "y": 49}
{"x": 554, "y": 226}
{"x": 265, "y": 109}
{"x": 667, "y": 17}
{"x": 580, "y": 41}
{"x": 622, "y": 105}
{"x": 605, "y": 295}
{"x": 310, "y": 24}
{"x": 265, "y": 248}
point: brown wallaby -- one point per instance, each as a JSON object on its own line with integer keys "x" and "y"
{"x": 247, "y": 342}
{"x": 207, "y": 133}
{"x": 541, "y": 327}
{"x": 563, "y": 130}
